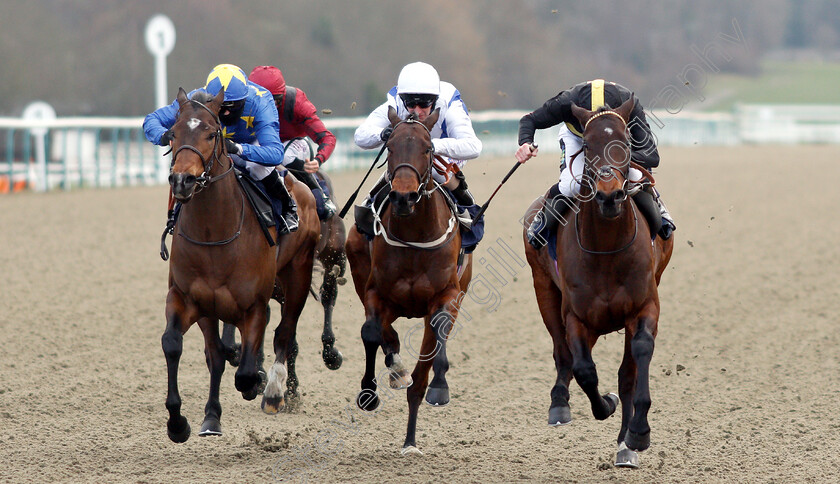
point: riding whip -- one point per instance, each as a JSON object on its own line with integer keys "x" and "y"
{"x": 352, "y": 198}
{"x": 487, "y": 203}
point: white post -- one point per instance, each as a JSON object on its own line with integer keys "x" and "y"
{"x": 160, "y": 39}
{"x": 40, "y": 111}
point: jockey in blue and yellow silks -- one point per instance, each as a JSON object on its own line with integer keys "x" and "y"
{"x": 249, "y": 126}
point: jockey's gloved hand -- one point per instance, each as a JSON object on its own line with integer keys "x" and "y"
{"x": 233, "y": 148}
{"x": 166, "y": 138}
{"x": 386, "y": 133}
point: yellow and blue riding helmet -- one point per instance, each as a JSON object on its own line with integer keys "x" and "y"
{"x": 230, "y": 78}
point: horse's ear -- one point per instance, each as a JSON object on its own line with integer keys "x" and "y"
{"x": 392, "y": 116}
{"x": 581, "y": 114}
{"x": 218, "y": 100}
{"x": 626, "y": 108}
{"x": 182, "y": 96}
{"x": 430, "y": 121}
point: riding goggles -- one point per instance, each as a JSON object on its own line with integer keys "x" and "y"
{"x": 418, "y": 100}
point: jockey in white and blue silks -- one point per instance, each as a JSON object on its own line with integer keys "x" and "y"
{"x": 420, "y": 91}
{"x": 249, "y": 127}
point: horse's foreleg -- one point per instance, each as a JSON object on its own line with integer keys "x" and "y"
{"x": 549, "y": 301}
{"x": 172, "y": 343}
{"x": 641, "y": 346}
{"x": 420, "y": 376}
{"x": 333, "y": 269}
{"x": 214, "y": 354}
{"x": 372, "y": 338}
{"x": 441, "y": 323}
{"x": 580, "y": 343}
{"x": 358, "y": 254}
{"x": 252, "y": 329}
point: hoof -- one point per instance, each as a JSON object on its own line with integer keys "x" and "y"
{"x": 252, "y": 393}
{"x": 178, "y": 431}
{"x": 341, "y": 280}
{"x": 626, "y": 457}
{"x": 637, "y": 442}
{"x": 367, "y": 400}
{"x": 272, "y": 405}
{"x": 559, "y": 416}
{"x": 437, "y": 397}
{"x": 401, "y": 381}
{"x": 332, "y": 358}
{"x": 211, "y": 426}
{"x": 410, "y": 450}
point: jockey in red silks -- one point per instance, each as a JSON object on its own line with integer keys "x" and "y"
{"x": 298, "y": 119}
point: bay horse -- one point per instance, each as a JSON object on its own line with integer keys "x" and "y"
{"x": 410, "y": 269}
{"x": 330, "y": 253}
{"x": 222, "y": 267}
{"x": 605, "y": 279}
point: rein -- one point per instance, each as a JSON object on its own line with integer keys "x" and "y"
{"x": 225, "y": 241}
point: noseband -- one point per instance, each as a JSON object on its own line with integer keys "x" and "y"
{"x": 422, "y": 177}
{"x": 205, "y": 179}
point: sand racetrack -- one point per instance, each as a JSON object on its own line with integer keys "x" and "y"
{"x": 745, "y": 378}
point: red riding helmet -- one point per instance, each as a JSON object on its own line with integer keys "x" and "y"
{"x": 270, "y": 78}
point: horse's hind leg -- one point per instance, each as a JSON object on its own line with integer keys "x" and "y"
{"x": 334, "y": 266}
{"x": 214, "y": 354}
{"x": 295, "y": 279}
{"x": 626, "y": 387}
{"x": 398, "y": 375}
{"x": 252, "y": 328}
{"x": 580, "y": 343}
{"x": 231, "y": 348}
{"x": 641, "y": 346}
{"x": 172, "y": 341}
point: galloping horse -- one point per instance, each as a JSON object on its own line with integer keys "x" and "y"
{"x": 605, "y": 279}
{"x": 222, "y": 267}
{"x": 410, "y": 269}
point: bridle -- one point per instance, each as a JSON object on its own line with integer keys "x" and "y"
{"x": 602, "y": 173}
{"x": 422, "y": 191}
{"x": 423, "y": 178}
{"x": 205, "y": 179}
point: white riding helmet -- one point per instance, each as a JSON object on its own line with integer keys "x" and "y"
{"x": 418, "y": 78}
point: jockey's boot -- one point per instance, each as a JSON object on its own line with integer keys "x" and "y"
{"x": 375, "y": 193}
{"x": 277, "y": 189}
{"x": 668, "y": 225}
{"x": 461, "y": 192}
{"x": 548, "y": 218}
{"x": 323, "y": 205}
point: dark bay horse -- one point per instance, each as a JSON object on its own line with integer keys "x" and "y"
{"x": 222, "y": 267}
{"x": 411, "y": 270}
{"x": 605, "y": 279}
